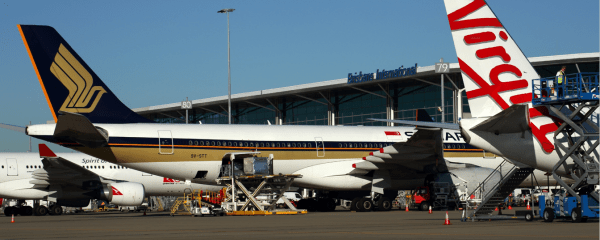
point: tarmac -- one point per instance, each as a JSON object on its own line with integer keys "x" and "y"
{"x": 341, "y": 224}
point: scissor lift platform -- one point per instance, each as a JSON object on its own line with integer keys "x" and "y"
{"x": 272, "y": 186}
{"x": 574, "y": 102}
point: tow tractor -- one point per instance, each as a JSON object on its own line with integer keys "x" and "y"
{"x": 439, "y": 198}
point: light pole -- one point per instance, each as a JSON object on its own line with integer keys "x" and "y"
{"x": 228, "y": 10}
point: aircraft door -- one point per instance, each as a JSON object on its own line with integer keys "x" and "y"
{"x": 165, "y": 142}
{"x": 320, "y": 147}
{"x": 12, "y": 169}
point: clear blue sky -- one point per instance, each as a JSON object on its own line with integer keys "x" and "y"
{"x": 156, "y": 52}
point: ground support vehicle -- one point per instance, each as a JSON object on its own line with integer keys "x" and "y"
{"x": 567, "y": 208}
{"x": 442, "y": 197}
{"x": 207, "y": 210}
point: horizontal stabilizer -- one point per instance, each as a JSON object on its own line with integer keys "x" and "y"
{"x": 420, "y": 123}
{"x": 514, "y": 119}
{"x": 45, "y": 151}
{"x": 78, "y": 128}
{"x": 13, "y": 127}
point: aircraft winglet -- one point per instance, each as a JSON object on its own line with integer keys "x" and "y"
{"x": 45, "y": 151}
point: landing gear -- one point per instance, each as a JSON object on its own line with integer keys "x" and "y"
{"x": 26, "y": 211}
{"x": 8, "y": 211}
{"x": 326, "y": 205}
{"x": 40, "y": 211}
{"x": 354, "y": 204}
{"x": 308, "y": 204}
{"x": 365, "y": 205}
{"x": 321, "y": 205}
{"x": 384, "y": 204}
{"x": 55, "y": 210}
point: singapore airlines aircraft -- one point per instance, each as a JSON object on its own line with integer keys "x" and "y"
{"x": 91, "y": 119}
{"x": 72, "y": 179}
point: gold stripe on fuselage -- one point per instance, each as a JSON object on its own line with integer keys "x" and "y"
{"x": 143, "y": 153}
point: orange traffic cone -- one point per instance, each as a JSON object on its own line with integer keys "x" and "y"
{"x": 406, "y": 210}
{"x": 144, "y": 212}
{"x": 13, "y": 219}
{"x": 496, "y": 209}
{"x": 528, "y": 207}
{"x": 447, "y": 222}
{"x": 509, "y": 207}
{"x": 429, "y": 209}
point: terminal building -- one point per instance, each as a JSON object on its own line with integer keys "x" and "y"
{"x": 352, "y": 100}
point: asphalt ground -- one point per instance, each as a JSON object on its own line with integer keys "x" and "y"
{"x": 341, "y": 224}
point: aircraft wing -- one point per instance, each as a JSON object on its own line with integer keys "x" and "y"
{"x": 423, "y": 152}
{"x": 420, "y": 123}
{"x": 58, "y": 170}
{"x": 13, "y": 127}
{"x": 418, "y": 157}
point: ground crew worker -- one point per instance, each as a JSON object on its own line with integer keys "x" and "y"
{"x": 560, "y": 78}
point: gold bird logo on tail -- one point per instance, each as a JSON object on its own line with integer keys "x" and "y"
{"x": 78, "y": 81}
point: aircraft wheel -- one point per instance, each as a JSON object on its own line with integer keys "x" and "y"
{"x": 576, "y": 215}
{"x": 41, "y": 211}
{"x": 354, "y": 204}
{"x": 365, "y": 205}
{"x": 8, "y": 211}
{"x": 326, "y": 205}
{"x": 311, "y": 205}
{"x": 26, "y": 211}
{"x": 384, "y": 204}
{"x": 331, "y": 205}
{"x": 56, "y": 210}
{"x": 548, "y": 215}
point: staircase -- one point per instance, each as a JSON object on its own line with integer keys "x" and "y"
{"x": 493, "y": 190}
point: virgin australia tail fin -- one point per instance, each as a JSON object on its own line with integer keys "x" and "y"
{"x": 68, "y": 82}
{"x": 495, "y": 71}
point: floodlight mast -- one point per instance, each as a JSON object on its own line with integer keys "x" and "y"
{"x": 228, "y": 10}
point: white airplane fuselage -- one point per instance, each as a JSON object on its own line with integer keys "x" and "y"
{"x": 16, "y": 171}
{"x": 323, "y": 155}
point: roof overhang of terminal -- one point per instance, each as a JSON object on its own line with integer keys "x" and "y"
{"x": 319, "y": 91}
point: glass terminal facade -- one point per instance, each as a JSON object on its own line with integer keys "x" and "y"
{"x": 351, "y": 104}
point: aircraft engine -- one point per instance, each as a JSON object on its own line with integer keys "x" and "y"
{"x": 127, "y": 193}
{"x": 468, "y": 179}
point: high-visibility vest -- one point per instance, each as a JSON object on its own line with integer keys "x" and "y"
{"x": 560, "y": 77}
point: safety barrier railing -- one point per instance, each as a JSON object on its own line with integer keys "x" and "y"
{"x": 487, "y": 187}
{"x": 574, "y": 87}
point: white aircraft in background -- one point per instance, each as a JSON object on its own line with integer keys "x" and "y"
{"x": 72, "y": 179}
{"x": 340, "y": 159}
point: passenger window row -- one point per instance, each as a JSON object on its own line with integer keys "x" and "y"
{"x": 102, "y": 167}
{"x": 364, "y": 145}
{"x": 454, "y": 146}
{"x": 251, "y": 144}
{"x": 280, "y": 145}
{"x": 30, "y": 166}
